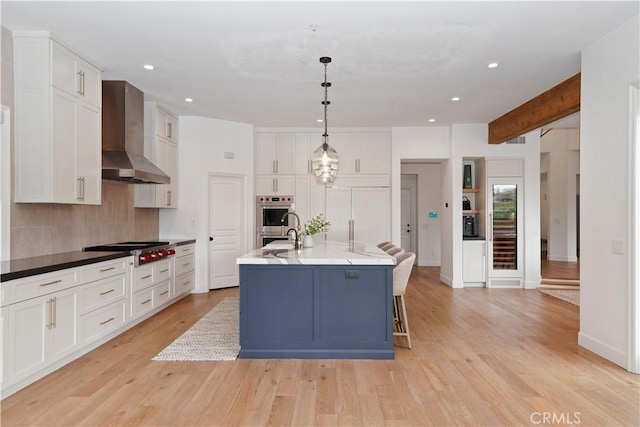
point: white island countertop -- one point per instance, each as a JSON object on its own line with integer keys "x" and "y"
{"x": 322, "y": 253}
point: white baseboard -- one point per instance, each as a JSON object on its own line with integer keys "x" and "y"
{"x": 446, "y": 280}
{"x": 532, "y": 284}
{"x": 603, "y": 350}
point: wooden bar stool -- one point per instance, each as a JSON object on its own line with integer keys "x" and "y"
{"x": 401, "y": 273}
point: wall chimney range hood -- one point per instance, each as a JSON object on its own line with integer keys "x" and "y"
{"x": 123, "y": 136}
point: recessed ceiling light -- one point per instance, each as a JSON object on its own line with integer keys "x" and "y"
{"x": 188, "y": 100}
{"x": 493, "y": 65}
{"x": 432, "y": 120}
{"x": 148, "y": 67}
{"x": 455, "y": 98}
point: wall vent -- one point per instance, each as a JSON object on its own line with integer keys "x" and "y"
{"x": 518, "y": 140}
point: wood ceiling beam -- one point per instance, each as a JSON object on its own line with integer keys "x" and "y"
{"x": 558, "y": 102}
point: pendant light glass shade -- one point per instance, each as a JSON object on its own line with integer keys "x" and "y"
{"x": 325, "y": 164}
{"x": 324, "y": 160}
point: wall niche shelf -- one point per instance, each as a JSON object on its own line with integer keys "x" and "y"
{"x": 470, "y": 190}
{"x": 472, "y": 211}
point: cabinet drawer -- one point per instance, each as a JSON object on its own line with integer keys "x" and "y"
{"x": 104, "y": 269}
{"x": 142, "y": 302}
{"x": 184, "y": 264}
{"x": 185, "y": 250}
{"x": 31, "y": 287}
{"x": 102, "y": 292}
{"x": 161, "y": 271}
{"x": 142, "y": 277}
{"x": 161, "y": 293}
{"x": 100, "y": 322}
{"x": 184, "y": 283}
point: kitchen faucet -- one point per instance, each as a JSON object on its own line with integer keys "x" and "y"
{"x": 298, "y": 232}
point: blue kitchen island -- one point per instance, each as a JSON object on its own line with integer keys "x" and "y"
{"x": 332, "y": 301}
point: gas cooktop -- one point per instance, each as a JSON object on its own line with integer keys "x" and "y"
{"x": 125, "y": 246}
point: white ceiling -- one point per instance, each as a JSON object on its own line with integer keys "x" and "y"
{"x": 394, "y": 63}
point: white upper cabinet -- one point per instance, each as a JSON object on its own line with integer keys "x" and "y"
{"x": 166, "y": 124}
{"x": 362, "y": 152}
{"x": 306, "y": 144}
{"x": 160, "y": 146}
{"x": 275, "y": 153}
{"x": 58, "y": 138}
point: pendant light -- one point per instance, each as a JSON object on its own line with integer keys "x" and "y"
{"x": 325, "y": 159}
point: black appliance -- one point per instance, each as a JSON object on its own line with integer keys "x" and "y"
{"x": 143, "y": 252}
{"x": 469, "y": 226}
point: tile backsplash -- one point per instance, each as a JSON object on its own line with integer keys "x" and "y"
{"x": 46, "y": 228}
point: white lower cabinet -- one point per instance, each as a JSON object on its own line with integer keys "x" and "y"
{"x": 102, "y": 321}
{"x": 184, "y": 269}
{"x": 152, "y": 285}
{"x": 38, "y": 332}
{"x": 50, "y": 319}
{"x": 474, "y": 263}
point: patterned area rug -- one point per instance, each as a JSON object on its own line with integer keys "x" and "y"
{"x": 572, "y": 296}
{"x": 214, "y": 337}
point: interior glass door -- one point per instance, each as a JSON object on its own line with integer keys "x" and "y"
{"x": 505, "y": 246}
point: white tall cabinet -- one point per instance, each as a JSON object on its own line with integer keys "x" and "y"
{"x": 161, "y": 147}
{"x": 58, "y": 139}
{"x": 361, "y": 192}
{"x": 275, "y": 170}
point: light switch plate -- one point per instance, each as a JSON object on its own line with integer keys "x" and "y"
{"x": 617, "y": 247}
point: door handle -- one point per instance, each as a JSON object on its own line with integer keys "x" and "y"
{"x": 210, "y": 239}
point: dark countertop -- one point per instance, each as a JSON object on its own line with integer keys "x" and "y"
{"x": 25, "y": 267}
{"x": 180, "y": 242}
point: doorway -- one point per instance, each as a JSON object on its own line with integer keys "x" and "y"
{"x": 408, "y": 212}
{"x": 226, "y": 229}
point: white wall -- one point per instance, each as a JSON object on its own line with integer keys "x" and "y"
{"x": 428, "y": 199}
{"x": 561, "y": 149}
{"x": 203, "y": 142}
{"x": 610, "y": 66}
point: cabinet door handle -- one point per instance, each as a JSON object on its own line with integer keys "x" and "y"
{"x": 164, "y": 271}
{"x": 79, "y": 90}
{"x": 107, "y": 321}
{"x": 50, "y": 283}
{"x": 309, "y": 166}
{"x": 168, "y": 197}
{"x": 188, "y": 249}
{"x": 107, "y": 269}
{"x": 50, "y": 309}
{"x": 79, "y": 189}
{"x": 54, "y": 315}
{"x": 107, "y": 292}
{"x": 277, "y": 166}
{"x": 169, "y": 130}
{"x": 146, "y": 302}
{"x": 184, "y": 265}
{"x": 276, "y": 184}
{"x": 186, "y": 283}
{"x": 164, "y": 293}
{"x": 83, "y": 83}
{"x": 491, "y": 227}
{"x": 145, "y": 277}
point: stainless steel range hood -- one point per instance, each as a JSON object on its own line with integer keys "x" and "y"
{"x": 123, "y": 136}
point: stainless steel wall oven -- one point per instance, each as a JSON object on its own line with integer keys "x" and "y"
{"x": 269, "y": 212}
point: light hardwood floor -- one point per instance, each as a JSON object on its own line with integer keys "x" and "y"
{"x": 492, "y": 357}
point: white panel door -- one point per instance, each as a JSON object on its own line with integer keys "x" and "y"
{"x": 66, "y": 184}
{"x": 406, "y": 227}
{"x": 226, "y": 235}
